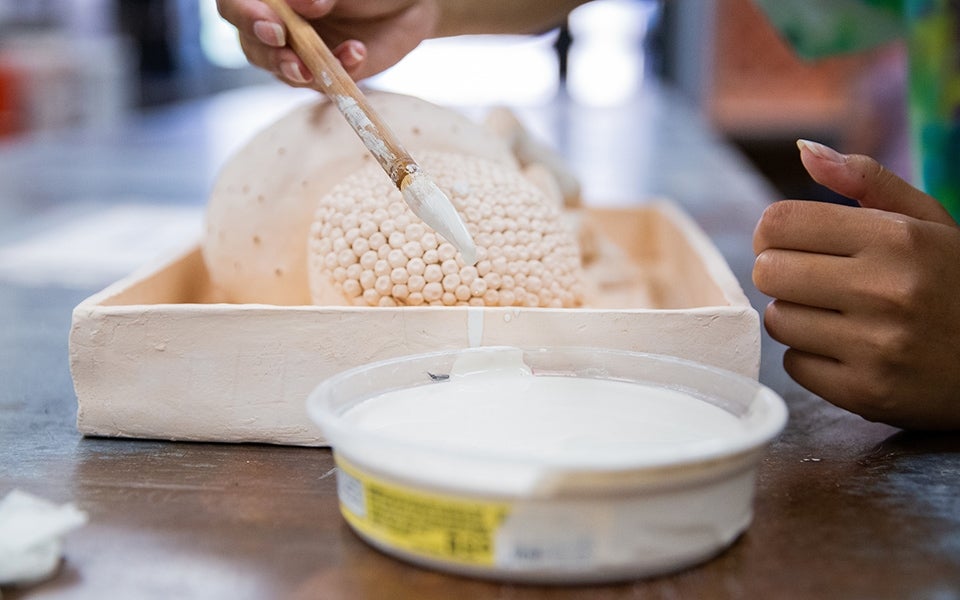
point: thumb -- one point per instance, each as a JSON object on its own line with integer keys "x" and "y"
{"x": 868, "y": 182}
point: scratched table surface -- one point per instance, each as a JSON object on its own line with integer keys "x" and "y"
{"x": 844, "y": 508}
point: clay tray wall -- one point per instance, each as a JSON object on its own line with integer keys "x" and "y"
{"x": 156, "y": 355}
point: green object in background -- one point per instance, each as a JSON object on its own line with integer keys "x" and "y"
{"x": 933, "y": 40}
{"x": 820, "y": 28}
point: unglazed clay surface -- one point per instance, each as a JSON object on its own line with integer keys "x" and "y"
{"x": 261, "y": 206}
{"x": 161, "y": 355}
{"x": 225, "y": 341}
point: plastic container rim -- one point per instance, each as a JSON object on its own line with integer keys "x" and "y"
{"x": 775, "y": 415}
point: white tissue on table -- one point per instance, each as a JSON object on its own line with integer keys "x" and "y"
{"x": 30, "y": 532}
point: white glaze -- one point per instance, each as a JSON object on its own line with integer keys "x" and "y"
{"x": 474, "y": 326}
{"x": 368, "y": 132}
{"x": 429, "y": 203}
{"x": 504, "y": 407}
{"x": 419, "y": 191}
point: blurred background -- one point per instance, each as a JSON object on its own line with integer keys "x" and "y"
{"x": 70, "y": 63}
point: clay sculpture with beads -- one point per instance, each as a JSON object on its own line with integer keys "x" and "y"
{"x": 301, "y": 215}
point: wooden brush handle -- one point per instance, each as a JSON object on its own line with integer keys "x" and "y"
{"x": 330, "y": 78}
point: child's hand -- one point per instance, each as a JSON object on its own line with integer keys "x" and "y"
{"x": 868, "y": 299}
{"x": 367, "y": 36}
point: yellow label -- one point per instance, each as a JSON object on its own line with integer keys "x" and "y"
{"x": 427, "y": 524}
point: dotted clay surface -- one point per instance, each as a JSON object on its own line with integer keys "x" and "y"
{"x": 368, "y": 247}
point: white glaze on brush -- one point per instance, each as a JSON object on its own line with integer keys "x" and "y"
{"x": 423, "y": 196}
{"x": 429, "y": 203}
{"x": 365, "y": 128}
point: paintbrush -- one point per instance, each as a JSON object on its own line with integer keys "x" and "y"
{"x": 419, "y": 191}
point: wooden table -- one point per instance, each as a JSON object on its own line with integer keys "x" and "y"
{"x": 844, "y": 508}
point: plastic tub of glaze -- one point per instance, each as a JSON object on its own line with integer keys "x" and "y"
{"x": 547, "y": 465}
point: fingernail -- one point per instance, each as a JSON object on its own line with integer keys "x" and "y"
{"x": 354, "y": 53}
{"x": 317, "y": 7}
{"x": 269, "y": 33}
{"x": 350, "y": 53}
{"x": 821, "y": 151}
{"x": 291, "y": 71}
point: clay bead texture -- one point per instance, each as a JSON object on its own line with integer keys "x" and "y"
{"x": 368, "y": 245}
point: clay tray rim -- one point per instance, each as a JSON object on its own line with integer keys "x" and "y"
{"x": 715, "y": 266}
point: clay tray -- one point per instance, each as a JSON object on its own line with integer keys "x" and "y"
{"x": 156, "y": 355}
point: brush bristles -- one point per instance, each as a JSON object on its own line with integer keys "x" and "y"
{"x": 429, "y": 203}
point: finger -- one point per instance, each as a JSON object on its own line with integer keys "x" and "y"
{"x": 257, "y": 53}
{"x": 254, "y": 18}
{"x": 382, "y": 52}
{"x": 812, "y": 330}
{"x": 243, "y": 13}
{"x": 312, "y": 9}
{"x": 294, "y": 71}
{"x": 869, "y": 183}
{"x": 849, "y": 386}
{"x": 379, "y": 9}
{"x": 811, "y": 227}
{"x": 282, "y": 62}
{"x": 373, "y": 63}
{"x": 395, "y": 31}
{"x": 351, "y": 55}
{"x": 271, "y": 34}
{"x": 806, "y": 278}
{"x": 824, "y": 376}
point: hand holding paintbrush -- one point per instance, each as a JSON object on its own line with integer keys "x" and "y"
{"x": 420, "y": 193}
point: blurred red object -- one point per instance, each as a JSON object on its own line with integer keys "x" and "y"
{"x": 12, "y": 115}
